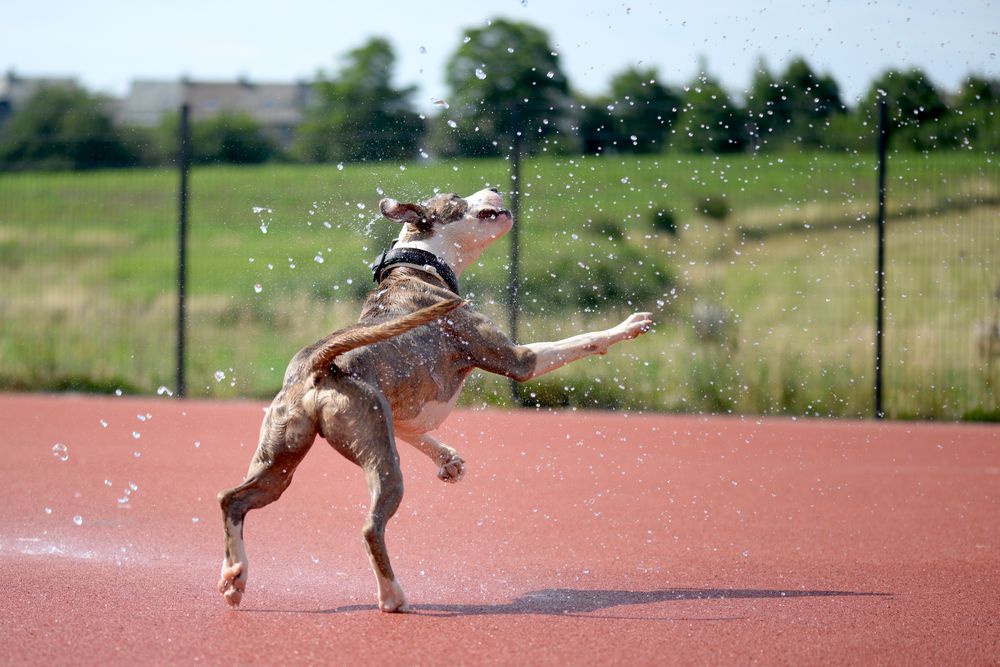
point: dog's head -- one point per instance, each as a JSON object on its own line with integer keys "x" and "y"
{"x": 452, "y": 227}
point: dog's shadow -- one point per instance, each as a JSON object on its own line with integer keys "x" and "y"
{"x": 570, "y": 601}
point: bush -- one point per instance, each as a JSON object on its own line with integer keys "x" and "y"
{"x": 664, "y": 220}
{"x": 713, "y": 206}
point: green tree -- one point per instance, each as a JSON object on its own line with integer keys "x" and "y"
{"x": 709, "y": 121}
{"x": 975, "y": 121}
{"x": 642, "y": 111}
{"x": 504, "y": 78}
{"x": 359, "y": 115}
{"x": 595, "y": 124}
{"x": 795, "y": 107}
{"x": 62, "y": 128}
{"x": 915, "y": 108}
{"x": 232, "y": 138}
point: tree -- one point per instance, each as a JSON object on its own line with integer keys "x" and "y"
{"x": 975, "y": 121}
{"x": 795, "y": 107}
{"x": 709, "y": 121}
{"x": 359, "y": 115}
{"x": 505, "y": 78}
{"x": 62, "y": 128}
{"x": 231, "y": 138}
{"x": 595, "y": 125}
{"x": 915, "y": 106}
{"x": 642, "y": 111}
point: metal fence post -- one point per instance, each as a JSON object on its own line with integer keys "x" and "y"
{"x": 883, "y": 144}
{"x": 183, "y": 160}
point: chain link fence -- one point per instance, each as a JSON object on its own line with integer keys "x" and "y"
{"x": 770, "y": 306}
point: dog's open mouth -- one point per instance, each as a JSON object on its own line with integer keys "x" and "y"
{"x": 489, "y": 213}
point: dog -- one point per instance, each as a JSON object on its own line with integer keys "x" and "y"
{"x": 397, "y": 373}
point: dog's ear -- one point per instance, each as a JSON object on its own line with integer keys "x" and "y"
{"x": 402, "y": 213}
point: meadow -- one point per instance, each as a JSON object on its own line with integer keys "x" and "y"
{"x": 759, "y": 269}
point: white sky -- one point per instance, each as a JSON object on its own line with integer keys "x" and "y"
{"x": 107, "y": 43}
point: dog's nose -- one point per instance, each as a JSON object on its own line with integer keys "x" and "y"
{"x": 494, "y": 190}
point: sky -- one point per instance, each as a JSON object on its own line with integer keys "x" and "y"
{"x": 106, "y": 44}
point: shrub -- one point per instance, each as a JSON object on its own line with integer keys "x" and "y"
{"x": 713, "y": 206}
{"x": 664, "y": 220}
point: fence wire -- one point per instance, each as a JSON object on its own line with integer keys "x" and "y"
{"x": 774, "y": 308}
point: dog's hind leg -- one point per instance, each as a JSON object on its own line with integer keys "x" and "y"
{"x": 385, "y": 481}
{"x": 283, "y": 444}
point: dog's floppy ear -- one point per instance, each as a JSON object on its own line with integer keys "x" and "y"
{"x": 402, "y": 213}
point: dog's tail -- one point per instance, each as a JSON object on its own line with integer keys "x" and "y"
{"x": 360, "y": 335}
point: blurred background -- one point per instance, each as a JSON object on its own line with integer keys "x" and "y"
{"x": 730, "y": 168}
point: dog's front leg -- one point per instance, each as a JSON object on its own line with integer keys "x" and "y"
{"x": 553, "y": 355}
{"x": 451, "y": 466}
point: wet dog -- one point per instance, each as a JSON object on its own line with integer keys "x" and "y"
{"x": 397, "y": 373}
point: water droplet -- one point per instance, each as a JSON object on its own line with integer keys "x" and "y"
{"x": 466, "y": 40}
{"x": 258, "y": 288}
{"x": 107, "y": 482}
{"x": 551, "y": 75}
{"x": 195, "y": 519}
{"x": 136, "y": 435}
{"x": 78, "y": 520}
{"x": 197, "y": 444}
{"x": 163, "y": 390}
{"x": 118, "y": 392}
{"x": 452, "y": 124}
{"x": 422, "y": 49}
{"x": 48, "y": 510}
{"x": 60, "y": 451}
{"x": 340, "y": 166}
{"x": 318, "y": 258}
{"x": 104, "y": 424}
{"x": 219, "y": 376}
{"x": 480, "y": 74}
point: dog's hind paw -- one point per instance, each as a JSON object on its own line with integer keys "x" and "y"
{"x": 392, "y": 600}
{"x": 453, "y": 470}
{"x": 233, "y": 583}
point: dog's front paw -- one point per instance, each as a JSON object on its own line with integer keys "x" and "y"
{"x": 452, "y": 470}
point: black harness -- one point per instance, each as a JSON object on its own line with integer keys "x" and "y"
{"x": 416, "y": 258}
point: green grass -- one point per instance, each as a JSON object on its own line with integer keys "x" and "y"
{"x": 88, "y": 268}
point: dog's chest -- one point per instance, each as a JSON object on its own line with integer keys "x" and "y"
{"x": 432, "y": 414}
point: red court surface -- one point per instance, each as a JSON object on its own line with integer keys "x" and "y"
{"x": 574, "y": 539}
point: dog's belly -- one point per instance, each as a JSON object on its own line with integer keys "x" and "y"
{"x": 432, "y": 414}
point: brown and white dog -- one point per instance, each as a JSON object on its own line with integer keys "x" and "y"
{"x": 396, "y": 373}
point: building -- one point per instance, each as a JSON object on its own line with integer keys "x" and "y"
{"x": 15, "y": 90}
{"x": 278, "y": 107}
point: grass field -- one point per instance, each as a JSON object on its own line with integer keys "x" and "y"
{"x": 769, "y": 310}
